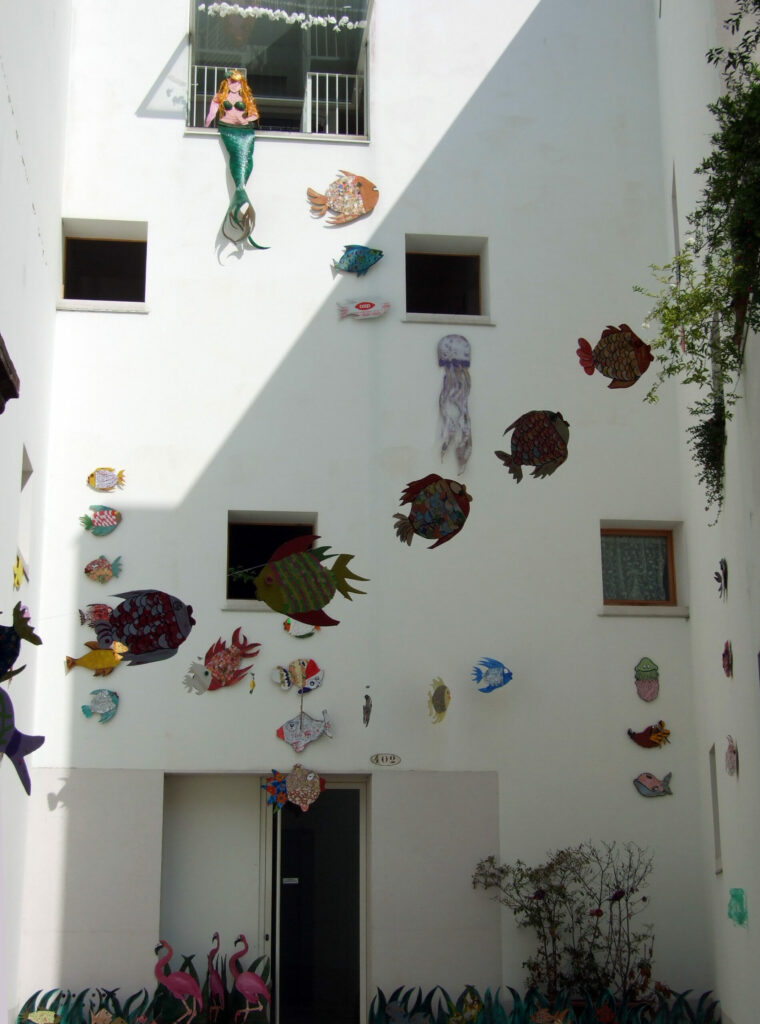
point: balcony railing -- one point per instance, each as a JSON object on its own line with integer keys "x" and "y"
{"x": 332, "y": 104}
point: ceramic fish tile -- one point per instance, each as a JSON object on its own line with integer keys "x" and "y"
{"x": 10, "y": 641}
{"x": 439, "y": 510}
{"x": 296, "y": 583}
{"x": 653, "y": 736}
{"x": 490, "y": 674}
{"x": 303, "y": 786}
{"x": 222, "y": 665}
{"x": 151, "y": 623}
{"x": 16, "y": 745}
{"x": 304, "y": 674}
{"x": 348, "y": 197}
{"x": 105, "y": 478}
{"x": 103, "y": 521}
{"x": 100, "y": 660}
{"x": 540, "y": 440}
{"x": 100, "y": 570}
{"x": 649, "y": 785}
{"x": 363, "y": 309}
{"x": 619, "y": 354}
{"x": 94, "y": 613}
{"x": 439, "y": 698}
{"x": 303, "y": 729}
{"x": 647, "y": 677}
{"x": 357, "y": 259}
{"x": 104, "y": 703}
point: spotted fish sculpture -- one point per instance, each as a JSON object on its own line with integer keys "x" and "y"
{"x": 540, "y": 440}
{"x": 619, "y": 354}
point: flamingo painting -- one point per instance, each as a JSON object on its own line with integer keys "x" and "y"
{"x": 248, "y": 983}
{"x": 179, "y": 984}
{"x": 216, "y": 992}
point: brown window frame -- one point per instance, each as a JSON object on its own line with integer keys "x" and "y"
{"x": 668, "y": 535}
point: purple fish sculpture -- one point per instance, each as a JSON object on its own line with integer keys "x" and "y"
{"x": 151, "y": 623}
{"x": 14, "y": 743}
{"x": 10, "y": 641}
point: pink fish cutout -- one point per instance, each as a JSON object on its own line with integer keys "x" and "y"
{"x": 363, "y": 309}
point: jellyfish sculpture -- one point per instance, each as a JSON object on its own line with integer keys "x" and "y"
{"x": 454, "y": 357}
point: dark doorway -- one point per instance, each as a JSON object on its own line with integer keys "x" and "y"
{"x": 318, "y": 944}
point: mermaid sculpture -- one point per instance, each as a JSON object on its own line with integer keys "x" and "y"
{"x": 235, "y": 108}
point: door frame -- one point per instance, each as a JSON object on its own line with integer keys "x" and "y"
{"x": 270, "y": 828}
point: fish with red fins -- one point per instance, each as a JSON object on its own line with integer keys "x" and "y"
{"x": 619, "y": 354}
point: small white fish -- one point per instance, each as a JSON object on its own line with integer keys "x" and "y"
{"x": 303, "y": 729}
{"x": 104, "y": 703}
{"x": 363, "y": 309}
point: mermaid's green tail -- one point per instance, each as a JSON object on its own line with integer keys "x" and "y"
{"x": 241, "y": 217}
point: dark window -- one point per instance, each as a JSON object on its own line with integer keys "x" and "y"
{"x": 104, "y": 269}
{"x": 250, "y": 546}
{"x": 638, "y": 567}
{"x": 443, "y": 283}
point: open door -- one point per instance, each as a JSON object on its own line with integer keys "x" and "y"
{"x": 318, "y": 909}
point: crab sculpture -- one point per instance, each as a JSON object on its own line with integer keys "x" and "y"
{"x": 222, "y": 665}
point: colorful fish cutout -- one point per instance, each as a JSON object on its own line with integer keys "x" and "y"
{"x": 299, "y": 630}
{"x": 366, "y": 709}
{"x": 104, "y": 703}
{"x": 19, "y": 572}
{"x": 348, "y": 197}
{"x": 619, "y": 354}
{"x": 17, "y": 745}
{"x": 357, "y": 259}
{"x": 649, "y": 785}
{"x": 303, "y": 786}
{"x": 295, "y": 583}
{"x": 304, "y": 674}
{"x": 105, "y": 478}
{"x": 728, "y": 659}
{"x": 103, "y": 521}
{"x": 732, "y": 756}
{"x": 276, "y": 791}
{"x": 94, "y": 613}
{"x": 151, "y": 623}
{"x": 439, "y": 698}
{"x": 439, "y": 510}
{"x": 737, "y": 907}
{"x": 100, "y": 660}
{"x": 647, "y": 677}
{"x": 303, "y": 729}
{"x": 100, "y": 570}
{"x": 363, "y": 309}
{"x": 222, "y": 665}
{"x": 651, "y": 737}
{"x": 721, "y": 578}
{"x": 454, "y": 358}
{"x": 540, "y": 440}
{"x": 490, "y": 674}
{"x": 10, "y": 641}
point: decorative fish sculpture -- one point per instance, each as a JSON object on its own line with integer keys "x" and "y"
{"x": 647, "y": 677}
{"x": 540, "y": 439}
{"x": 619, "y": 354}
{"x": 357, "y": 259}
{"x": 653, "y": 736}
{"x": 303, "y": 786}
{"x": 727, "y": 659}
{"x": 100, "y": 570}
{"x": 490, "y": 674}
{"x": 732, "y": 757}
{"x": 439, "y": 698}
{"x": 17, "y": 745}
{"x": 10, "y": 641}
{"x": 348, "y": 197}
{"x": 303, "y": 729}
{"x": 721, "y": 578}
{"x": 104, "y": 703}
{"x": 439, "y": 510}
{"x": 100, "y": 660}
{"x": 304, "y": 674}
{"x": 105, "y": 478}
{"x": 366, "y": 709}
{"x": 649, "y": 785}
{"x": 299, "y": 630}
{"x": 19, "y": 573}
{"x": 222, "y": 665}
{"x": 103, "y": 521}
{"x": 151, "y": 623}
{"x": 295, "y": 583}
{"x": 276, "y": 792}
{"x": 363, "y": 309}
{"x": 94, "y": 613}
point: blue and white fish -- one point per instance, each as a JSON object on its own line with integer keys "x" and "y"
{"x": 303, "y": 729}
{"x": 491, "y": 675}
{"x": 357, "y": 259}
{"x": 104, "y": 703}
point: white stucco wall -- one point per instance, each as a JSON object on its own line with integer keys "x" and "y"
{"x": 241, "y": 390}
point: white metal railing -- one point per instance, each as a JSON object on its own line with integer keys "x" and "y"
{"x": 204, "y": 82}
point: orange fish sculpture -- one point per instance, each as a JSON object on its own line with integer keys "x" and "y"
{"x": 348, "y": 197}
{"x": 619, "y": 354}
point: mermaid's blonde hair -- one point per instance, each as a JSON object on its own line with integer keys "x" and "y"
{"x": 245, "y": 91}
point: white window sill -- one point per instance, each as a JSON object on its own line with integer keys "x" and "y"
{"x": 262, "y": 133}
{"x": 634, "y": 611}
{"x": 101, "y": 306}
{"x": 446, "y": 318}
{"x": 243, "y": 605}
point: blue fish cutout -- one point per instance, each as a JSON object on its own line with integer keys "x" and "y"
{"x": 104, "y": 703}
{"x": 357, "y": 259}
{"x": 14, "y": 743}
{"x": 491, "y": 676}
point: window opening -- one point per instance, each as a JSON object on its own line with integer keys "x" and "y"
{"x": 100, "y": 268}
{"x": 443, "y": 283}
{"x": 252, "y": 538}
{"x": 638, "y": 567}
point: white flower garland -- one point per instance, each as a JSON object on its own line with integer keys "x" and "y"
{"x": 297, "y": 18}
